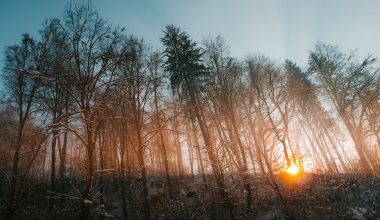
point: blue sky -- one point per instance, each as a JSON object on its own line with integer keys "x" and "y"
{"x": 277, "y": 28}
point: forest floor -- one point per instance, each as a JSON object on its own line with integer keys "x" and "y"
{"x": 311, "y": 197}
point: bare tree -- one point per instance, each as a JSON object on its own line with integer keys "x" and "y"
{"x": 344, "y": 80}
{"x": 22, "y": 81}
{"x": 183, "y": 64}
{"x": 225, "y": 75}
{"x": 95, "y": 47}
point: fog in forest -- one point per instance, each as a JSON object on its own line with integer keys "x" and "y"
{"x": 97, "y": 122}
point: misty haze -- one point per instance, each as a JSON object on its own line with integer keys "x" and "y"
{"x": 174, "y": 109}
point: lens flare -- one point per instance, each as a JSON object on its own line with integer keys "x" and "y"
{"x": 293, "y": 169}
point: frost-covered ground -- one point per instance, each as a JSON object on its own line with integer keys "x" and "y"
{"x": 327, "y": 197}
{"x": 314, "y": 197}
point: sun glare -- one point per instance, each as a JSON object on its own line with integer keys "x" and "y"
{"x": 293, "y": 169}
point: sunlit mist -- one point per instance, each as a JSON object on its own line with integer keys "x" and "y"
{"x": 293, "y": 169}
{"x": 196, "y": 109}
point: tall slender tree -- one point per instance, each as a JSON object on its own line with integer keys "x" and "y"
{"x": 183, "y": 64}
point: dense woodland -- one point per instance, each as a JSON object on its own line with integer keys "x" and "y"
{"x": 97, "y": 123}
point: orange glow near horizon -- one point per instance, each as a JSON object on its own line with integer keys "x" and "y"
{"x": 293, "y": 169}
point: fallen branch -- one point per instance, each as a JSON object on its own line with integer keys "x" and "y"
{"x": 103, "y": 171}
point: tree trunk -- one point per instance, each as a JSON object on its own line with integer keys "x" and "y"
{"x": 122, "y": 169}
{"x": 166, "y": 163}
{"x": 101, "y": 157}
{"x": 11, "y": 206}
{"x": 191, "y": 158}
{"x": 50, "y": 208}
{"x": 144, "y": 177}
{"x": 89, "y": 175}
{"x": 244, "y": 169}
{"x": 211, "y": 152}
{"x": 53, "y": 158}
{"x": 62, "y": 161}
{"x": 199, "y": 155}
{"x": 177, "y": 142}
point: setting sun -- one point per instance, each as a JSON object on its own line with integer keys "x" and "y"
{"x": 293, "y": 169}
{"x": 248, "y": 110}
